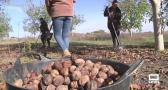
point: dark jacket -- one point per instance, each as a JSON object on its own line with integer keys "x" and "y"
{"x": 114, "y": 15}
{"x": 44, "y": 28}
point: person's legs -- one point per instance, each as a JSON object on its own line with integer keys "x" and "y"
{"x": 62, "y": 36}
{"x": 113, "y": 38}
{"x": 111, "y": 29}
{"x": 66, "y": 30}
{"x": 116, "y": 25}
{"x": 48, "y": 42}
{"x": 43, "y": 40}
{"x": 49, "y": 36}
{"x": 57, "y": 26}
{"x": 118, "y": 35}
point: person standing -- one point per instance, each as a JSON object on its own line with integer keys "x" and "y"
{"x": 61, "y": 12}
{"x": 45, "y": 33}
{"x": 114, "y": 17}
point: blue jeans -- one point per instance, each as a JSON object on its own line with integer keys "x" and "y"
{"x": 62, "y": 27}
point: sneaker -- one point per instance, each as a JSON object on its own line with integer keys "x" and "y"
{"x": 66, "y": 53}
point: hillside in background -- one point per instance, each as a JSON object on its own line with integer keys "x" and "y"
{"x": 140, "y": 38}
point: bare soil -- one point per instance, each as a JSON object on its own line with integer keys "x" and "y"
{"x": 154, "y": 62}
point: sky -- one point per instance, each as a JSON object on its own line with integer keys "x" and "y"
{"x": 91, "y": 10}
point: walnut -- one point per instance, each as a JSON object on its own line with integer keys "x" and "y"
{"x": 94, "y": 71}
{"x": 72, "y": 68}
{"x": 65, "y": 71}
{"x": 36, "y": 82}
{"x": 76, "y": 75}
{"x": 67, "y": 63}
{"x": 50, "y": 87}
{"x": 47, "y": 69}
{"x": 100, "y": 82}
{"x": 18, "y": 83}
{"x": 62, "y": 87}
{"x": 102, "y": 75}
{"x": 84, "y": 71}
{"x": 73, "y": 89}
{"x": 104, "y": 68}
{"x": 83, "y": 80}
{"x": 67, "y": 81}
{"x": 89, "y": 63}
{"x": 58, "y": 80}
{"x": 74, "y": 84}
{"x": 25, "y": 80}
{"x": 39, "y": 77}
{"x": 54, "y": 73}
{"x": 79, "y": 62}
{"x": 31, "y": 86}
{"x": 97, "y": 65}
{"x": 111, "y": 71}
{"x": 47, "y": 79}
{"x": 58, "y": 65}
{"x": 33, "y": 76}
{"x": 92, "y": 85}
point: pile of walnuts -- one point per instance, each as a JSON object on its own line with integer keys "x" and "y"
{"x": 75, "y": 74}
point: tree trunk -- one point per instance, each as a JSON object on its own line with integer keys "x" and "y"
{"x": 130, "y": 32}
{"x": 158, "y": 32}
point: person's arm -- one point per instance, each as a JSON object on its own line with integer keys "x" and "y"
{"x": 41, "y": 30}
{"x": 106, "y": 12}
{"x": 118, "y": 14}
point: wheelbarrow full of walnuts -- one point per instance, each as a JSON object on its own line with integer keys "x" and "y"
{"x": 40, "y": 73}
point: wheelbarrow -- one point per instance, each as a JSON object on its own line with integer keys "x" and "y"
{"x": 20, "y": 69}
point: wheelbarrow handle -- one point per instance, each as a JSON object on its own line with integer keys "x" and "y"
{"x": 134, "y": 67}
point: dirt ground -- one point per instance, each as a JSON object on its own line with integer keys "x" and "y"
{"x": 154, "y": 62}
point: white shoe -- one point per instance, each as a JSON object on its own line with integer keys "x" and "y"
{"x": 66, "y": 53}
